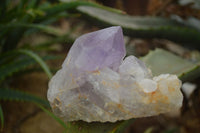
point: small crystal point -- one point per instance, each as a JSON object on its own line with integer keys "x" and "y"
{"x": 135, "y": 67}
{"x": 96, "y": 84}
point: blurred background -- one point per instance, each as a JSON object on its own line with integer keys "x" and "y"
{"x": 35, "y": 36}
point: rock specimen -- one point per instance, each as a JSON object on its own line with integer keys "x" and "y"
{"x": 96, "y": 83}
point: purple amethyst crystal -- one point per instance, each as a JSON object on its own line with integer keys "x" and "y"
{"x": 96, "y": 84}
{"x": 97, "y": 50}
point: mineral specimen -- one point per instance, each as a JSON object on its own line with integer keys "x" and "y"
{"x": 96, "y": 84}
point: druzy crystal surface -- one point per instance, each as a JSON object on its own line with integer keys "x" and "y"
{"x": 96, "y": 83}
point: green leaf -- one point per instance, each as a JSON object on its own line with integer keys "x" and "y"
{"x": 161, "y": 61}
{"x": 16, "y": 95}
{"x": 38, "y": 59}
{"x": 52, "y": 11}
{"x": 142, "y": 27}
{"x": 2, "y": 118}
{"x": 71, "y": 5}
{"x": 14, "y": 66}
{"x": 17, "y": 64}
{"x": 10, "y": 94}
{"x": 190, "y": 21}
{"x": 44, "y": 28}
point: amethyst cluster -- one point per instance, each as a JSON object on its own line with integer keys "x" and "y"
{"x": 96, "y": 83}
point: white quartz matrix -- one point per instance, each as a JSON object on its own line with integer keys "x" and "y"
{"x": 97, "y": 83}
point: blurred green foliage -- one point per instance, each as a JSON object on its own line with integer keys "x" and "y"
{"x": 17, "y": 20}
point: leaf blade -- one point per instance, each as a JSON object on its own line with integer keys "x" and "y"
{"x": 161, "y": 61}
{"x": 16, "y": 95}
{"x": 47, "y": 29}
{"x": 11, "y": 94}
{"x": 17, "y": 64}
{"x": 38, "y": 60}
{"x": 142, "y": 27}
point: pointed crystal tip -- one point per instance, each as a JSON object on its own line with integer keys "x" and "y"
{"x": 99, "y": 49}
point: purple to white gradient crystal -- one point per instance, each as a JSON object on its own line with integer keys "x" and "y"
{"x": 96, "y": 84}
{"x": 96, "y": 50}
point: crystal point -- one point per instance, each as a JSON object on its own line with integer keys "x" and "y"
{"x": 96, "y": 84}
{"x": 99, "y": 49}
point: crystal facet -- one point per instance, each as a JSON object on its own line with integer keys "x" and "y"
{"x": 96, "y": 84}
